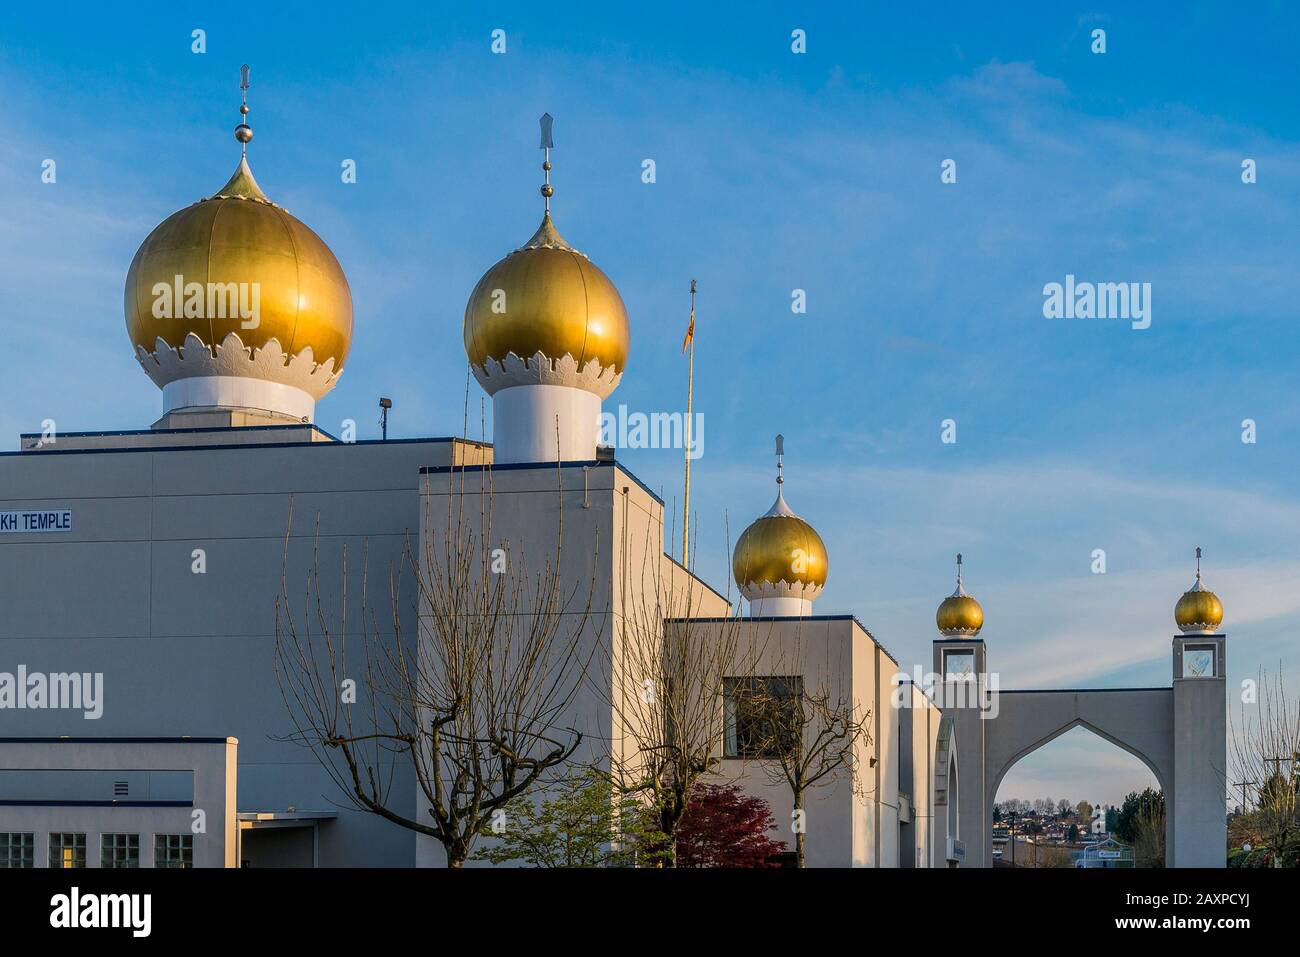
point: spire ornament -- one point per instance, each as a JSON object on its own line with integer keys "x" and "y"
{"x": 547, "y": 144}
{"x": 243, "y": 132}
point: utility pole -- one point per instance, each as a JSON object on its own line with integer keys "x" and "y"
{"x": 1243, "y": 785}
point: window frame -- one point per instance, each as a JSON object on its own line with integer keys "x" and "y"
{"x": 738, "y": 746}
{"x": 1213, "y": 650}
{"x": 113, "y": 842}
{"x": 963, "y": 653}
{"x": 25, "y": 849}
{"x": 58, "y": 842}
{"x": 179, "y": 857}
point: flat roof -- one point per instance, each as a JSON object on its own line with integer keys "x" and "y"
{"x": 68, "y": 739}
{"x": 852, "y": 618}
{"x": 202, "y": 447}
{"x": 519, "y": 466}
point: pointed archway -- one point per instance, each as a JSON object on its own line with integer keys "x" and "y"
{"x": 1066, "y": 764}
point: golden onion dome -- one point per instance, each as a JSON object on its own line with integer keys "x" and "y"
{"x": 780, "y": 549}
{"x": 959, "y": 615}
{"x": 238, "y": 236}
{"x": 547, "y": 298}
{"x": 1199, "y": 610}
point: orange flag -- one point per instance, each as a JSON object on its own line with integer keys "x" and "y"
{"x": 690, "y": 330}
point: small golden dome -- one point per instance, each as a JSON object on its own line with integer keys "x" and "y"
{"x": 547, "y": 297}
{"x": 1199, "y": 610}
{"x": 780, "y": 548}
{"x": 239, "y": 237}
{"x": 959, "y": 615}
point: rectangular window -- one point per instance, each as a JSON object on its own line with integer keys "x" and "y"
{"x": 17, "y": 849}
{"x": 119, "y": 850}
{"x": 762, "y": 716}
{"x": 1198, "y": 661}
{"x": 959, "y": 665}
{"x": 67, "y": 850}
{"x": 173, "y": 850}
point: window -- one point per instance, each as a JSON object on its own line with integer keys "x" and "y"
{"x": 119, "y": 850}
{"x": 17, "y": 849}
{"x": 959, "y": 665}
{"x": 1198, "y": 661}
{"x": 67, "y": 850}
{"x": 762, "y": 716}
{"x": 173, "y": 850}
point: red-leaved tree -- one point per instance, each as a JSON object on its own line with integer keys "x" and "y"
{"x": 724, "y": 827}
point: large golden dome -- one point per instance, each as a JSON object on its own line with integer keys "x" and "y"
{"x": 1199, "y": 610}
{"x": 239, "y": 236}
{"x": 780, "y": 548}
{"x": 547, "y": 297}
{"x": 959, "y": 615}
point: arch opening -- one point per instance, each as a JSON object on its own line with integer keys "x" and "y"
{"x": 1087, "y": 776}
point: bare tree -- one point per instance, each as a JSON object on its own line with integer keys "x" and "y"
{"x": 663, "y": 676}
{"x": 479, "y": 710}
{"x": 1264, "y": 758}
{"x": 804, "y": 734}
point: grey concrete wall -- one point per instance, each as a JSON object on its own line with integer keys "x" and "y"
{"x": 1200, "y": 726}
{"x": 1179, "y": 733}
{"x": 968, "y": 807}
{"x": 192, "y": 654}
{"x": 822, "y": 652}
{"x": 214, "y": 787}
{"x": 1140, "y": 721}
{"x": 277, "y": 846}
{"x": 918, "y": 726}
{"x": 610, "y": 533}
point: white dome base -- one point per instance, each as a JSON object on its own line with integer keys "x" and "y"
{"x": 785, "y": 607}
{"x": 238, "y": 392}
{"x": 524, "y": 424}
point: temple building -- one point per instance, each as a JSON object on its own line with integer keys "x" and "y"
{"x": 143, "y": 575}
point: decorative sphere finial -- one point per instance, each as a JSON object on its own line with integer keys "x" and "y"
{"x": 243, "y": 132}
{"x": 547, "y": 144}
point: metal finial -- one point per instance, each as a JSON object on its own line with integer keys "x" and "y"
{"x": 243, "y": 132}
{"x": 1198, "y": 562}
{"x": 780, "y": 457}
{"x": 547, "y": 144}
{"x": 959, "y": 569}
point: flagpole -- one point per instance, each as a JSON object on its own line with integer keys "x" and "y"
{"x": 690, "y": 389}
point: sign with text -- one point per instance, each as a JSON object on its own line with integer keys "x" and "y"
{"x": 36, "y": 521}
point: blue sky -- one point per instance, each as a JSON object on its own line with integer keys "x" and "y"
{"x": 775, "y": 171}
